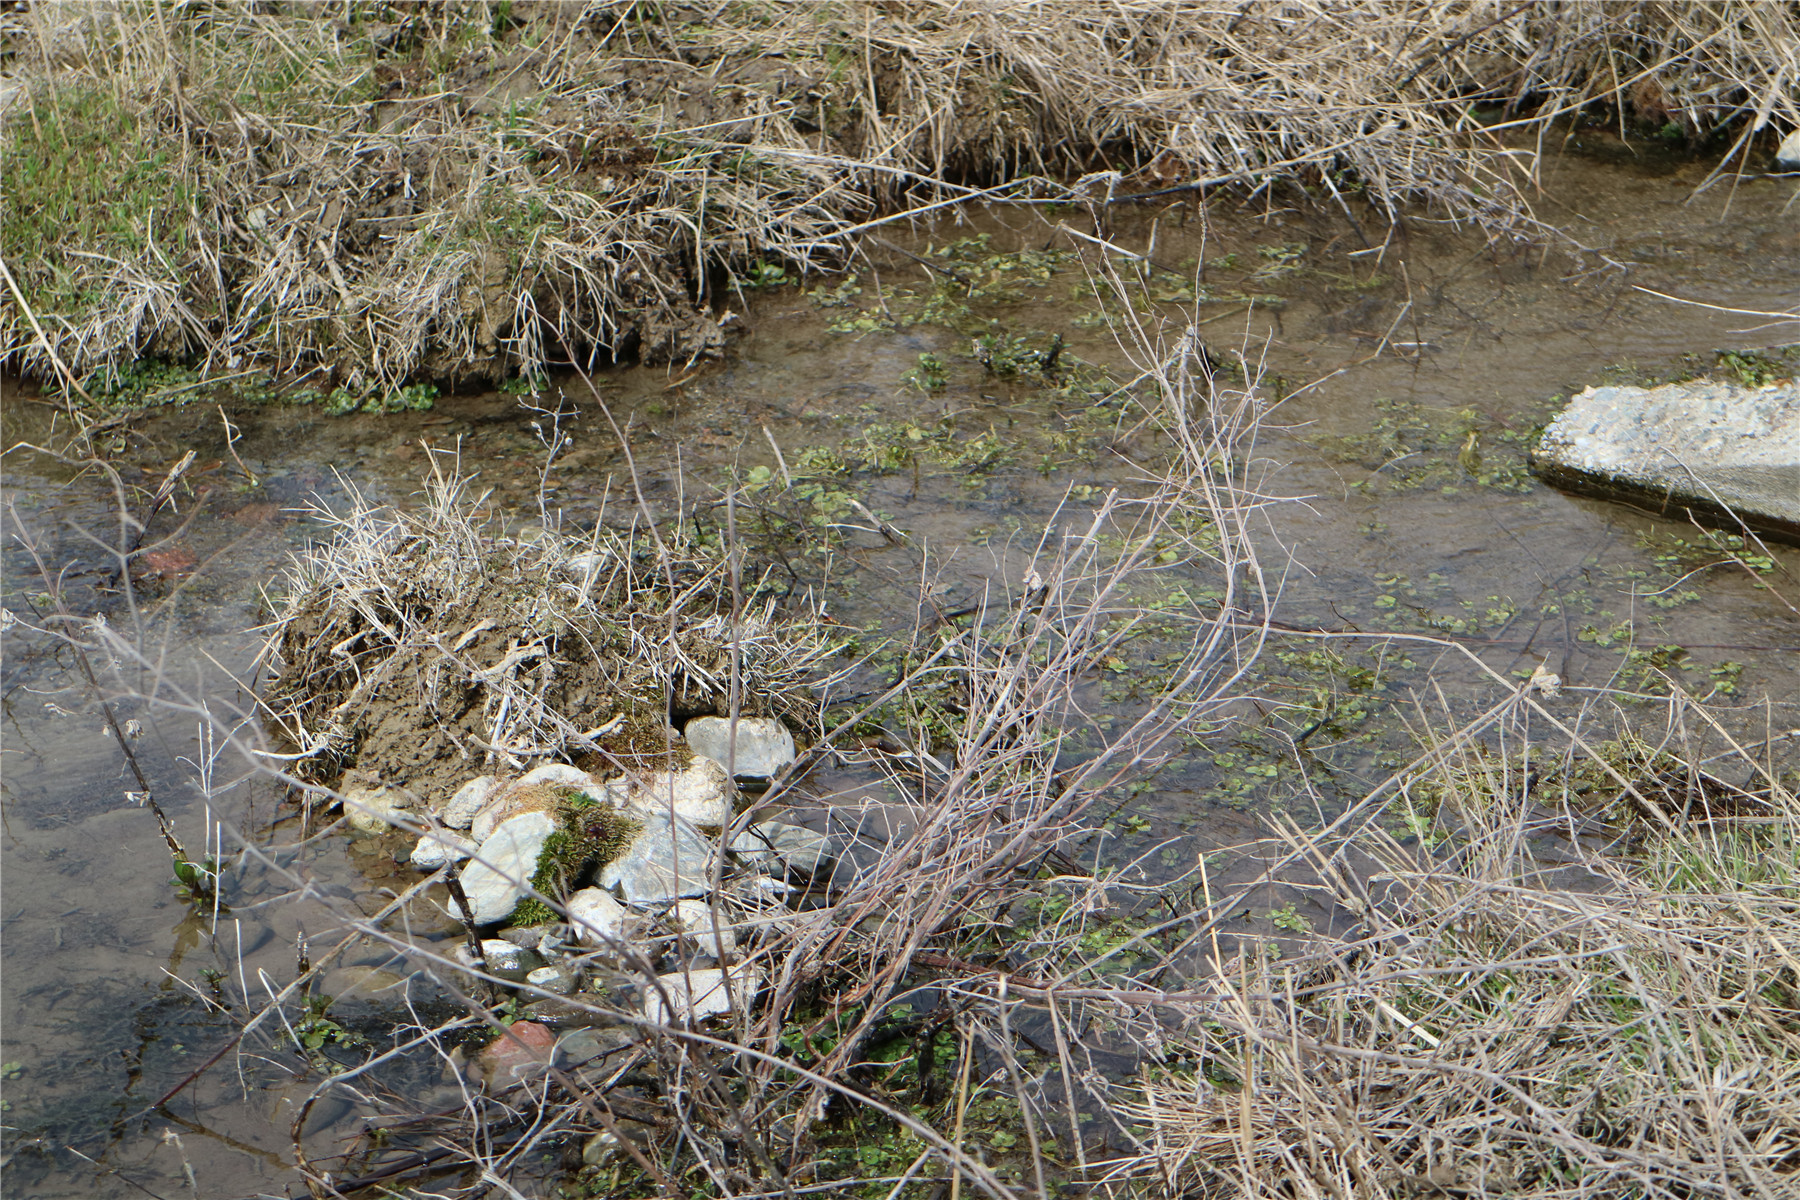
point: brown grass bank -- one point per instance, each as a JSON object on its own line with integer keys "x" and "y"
{"x": 367, "y": 194}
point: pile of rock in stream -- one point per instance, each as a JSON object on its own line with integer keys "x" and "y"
{"x": 637, "y": 862}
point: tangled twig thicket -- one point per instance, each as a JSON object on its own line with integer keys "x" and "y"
{"x": 1500, "y": 1004}
{"x": 441, "y": 189}
{"x": 1504, "y": 1004}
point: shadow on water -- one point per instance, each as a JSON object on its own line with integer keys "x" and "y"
{"x": 1412, "y": 370}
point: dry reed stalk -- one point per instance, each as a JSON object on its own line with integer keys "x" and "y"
{"x": 996, "y": 806}
{"x": 1482, "y": 1028}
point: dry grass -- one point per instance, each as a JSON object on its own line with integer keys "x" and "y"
{"x": 1624, "y": 1024}
{"x": 440, "y": 189}
{"x": 1627, "y": 1027}
{"x": 377, "y": 200}
{"x": 982, "y": 716}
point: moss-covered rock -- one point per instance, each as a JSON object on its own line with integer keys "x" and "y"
{"x": 589, "y": 833}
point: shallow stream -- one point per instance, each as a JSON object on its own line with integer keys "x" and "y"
{"x": 1412, "y": 366}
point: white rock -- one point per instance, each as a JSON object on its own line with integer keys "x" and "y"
{"x": 506, "y": 801}
{"x": 554, "y": 772}
{"x": 486, "y": 821}
{"x": 793, "y": 846}
{"x": 495, "y": 890}
{"x": 1787, "y": 155}
{"x": 584, "y": 1045}
{"x": 600, "y": 1148}
{"x": 586, "y": 561}
{"x": 372, "y": 810}
{"x": 694, "y": 995}
{"x": 598, "y": 918}
{"x": 764, "y": 745}
{"x": 701, "y": 794}
{"x": 459, "y": 812}
{"x": 437, "y": 849}
{"x": 503, "y": 959}
{"x": 695, "y": 918}
{"x": 690, "y": 915}
{"x": 666, "y": 861}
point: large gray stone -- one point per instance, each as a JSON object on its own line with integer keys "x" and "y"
{"x": 597, "y": 918}
{"x": 377, "y": 809}
{"x": 439, "y": 848}
{"x": 580, "y": 1046}
{"x": 764, "y": 745}
{"x": 700, "y": 792}
{"x": 558, "y": 978}
{"x": 695, "y": 918}
{"x": 527, "y": 793}
{"x": 555, "y": 772}
{"x": 693, "y": 995}
{"x": 508, "y": 860}
{"x": 1715, "y": 449}
{"x": 539, "y": 790}
{"x": 504, "y": 959}
{"x": 667, "y": 861}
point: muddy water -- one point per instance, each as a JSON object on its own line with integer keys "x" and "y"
{"x": 1389, "y": 353}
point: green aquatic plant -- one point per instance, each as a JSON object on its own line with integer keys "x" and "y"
{"x": 929, "y": 376}
{"x": 413, "y": 397}
{"x": 524, "y": 384}
{"x": 763, "y": 276}
{"x": 1757, "y": 368}
{"x": 196, "y": 882}
{"x": 1017, "y": 354}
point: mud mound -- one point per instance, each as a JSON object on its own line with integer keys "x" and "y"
{"x": 423, "y": 646}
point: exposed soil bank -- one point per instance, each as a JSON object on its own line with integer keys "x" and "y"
{"x": 362, "y": 197}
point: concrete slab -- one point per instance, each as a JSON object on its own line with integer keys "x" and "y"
{"x": 1718, "y": 451}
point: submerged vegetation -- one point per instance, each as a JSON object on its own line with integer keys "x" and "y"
{"x": 390, "y": 193}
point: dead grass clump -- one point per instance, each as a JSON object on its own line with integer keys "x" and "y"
{"x": 1631, "y": 1030}
{"x": 422, "y": 644}
{"x": 464, "y": 190}
{"x": 1395, "y": 101}
{"x": 318, "y": 190}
